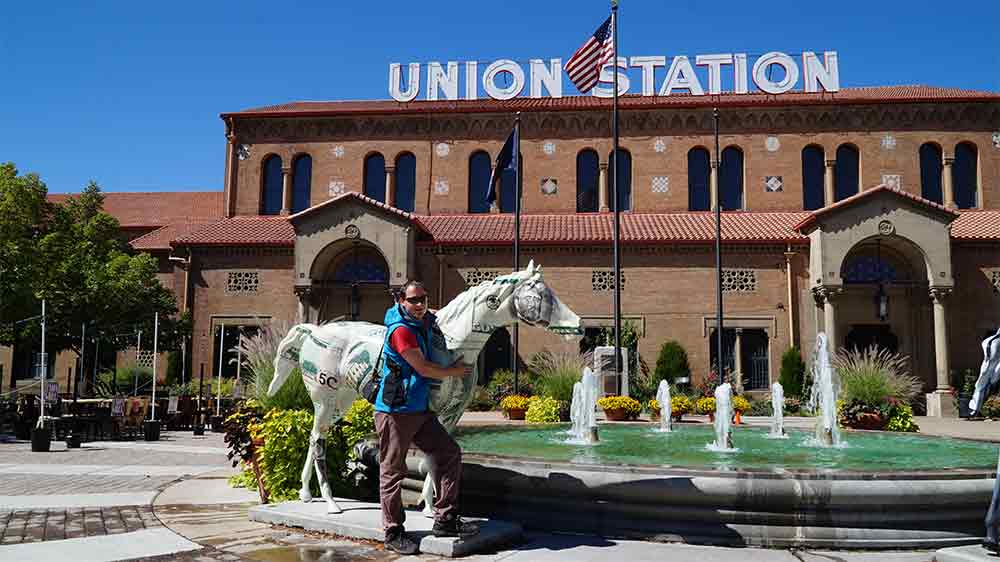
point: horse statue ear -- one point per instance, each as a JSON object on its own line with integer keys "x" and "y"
{"x": 531, "y": 267}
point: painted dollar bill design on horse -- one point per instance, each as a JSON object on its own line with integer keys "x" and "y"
{"x": 339, "y": 359}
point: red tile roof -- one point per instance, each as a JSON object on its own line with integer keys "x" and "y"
{"x": 864, "y": 194}
{"x": 976, "y": 225}
{"x": 866, "y": 95}
{"x": 146, "y": 209}
{"x": 591, "y": 228}
{"x": 161, "y": 238}
{"x": 354, "y": 195}
{"x": 250, "y": 230}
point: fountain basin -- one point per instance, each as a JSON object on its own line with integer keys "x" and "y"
{"x": 732, "y": 499}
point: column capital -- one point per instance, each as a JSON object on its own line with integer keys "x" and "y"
{"x": 390, "y": 170}
{"x": 285, "y": 170}
{"x": 739, "y": 331}
{"x": 826, "y": 293}
{"x": 714, "y": 164}
{"x": 939, "y": 294}
{"x": 603, "y": 166}
{"x": 949, "y": 160}
{"x": 829, "y": 163}
{"x": 303, "y": 291}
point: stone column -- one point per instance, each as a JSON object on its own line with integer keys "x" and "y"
{"x": 303, "y": 308}
{"x": 390, "y": 186}
{"x": 738, "y": 361}
{"x": 826, "y": 296}
{"x": 939, "y": 402}
{"x": 232, "y": 157}
{"x": 947, "y": 186}
{"x": 602, "y": 188}
{"x": 286, "y": 190}
{"x": 713, "y": 185}
{"x": 828, "y": 193}
{"x": 789, "y": 280}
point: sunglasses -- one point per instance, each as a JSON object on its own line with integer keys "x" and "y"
{"x": 417, "y": 300}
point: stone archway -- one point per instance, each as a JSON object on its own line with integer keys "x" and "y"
{"x": 349, "y": 281}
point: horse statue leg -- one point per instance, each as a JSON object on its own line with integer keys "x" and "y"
{"x": 318, "y": 444}
{"x": 428, "y": 493}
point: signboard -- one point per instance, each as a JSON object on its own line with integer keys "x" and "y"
{"x": 52, "y": 392}
{"x": 772, "y": 73}
{"x": 172, "y": 405}
{"x": 118, "y": 407}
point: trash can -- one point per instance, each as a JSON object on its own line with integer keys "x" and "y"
{"x": 151, "y": 430}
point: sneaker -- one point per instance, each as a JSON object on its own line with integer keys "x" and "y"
{"x": 397, "y": 541}
{"x": 454, "y": 527}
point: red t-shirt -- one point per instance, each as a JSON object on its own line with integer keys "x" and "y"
{"x": 403, "y": 338}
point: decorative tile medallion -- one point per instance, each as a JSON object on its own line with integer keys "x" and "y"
{"x": 338, "y": 151}
{"x": 549, "y": 148}
{"x": 660, "y": 145}
{"x": 243, "y": 151}
{"x": 772, "y": 144}
{"x": 661, "y": 184}
{"x": 441, "y": 187}
{"x": 442, "y": 149}
{"x": 336, "y": 187}
{"x": 894, "y": 181}
{"x": 773, "y": 183}
{"x": 550, "y": 186}
{"x": 888, "y": 142}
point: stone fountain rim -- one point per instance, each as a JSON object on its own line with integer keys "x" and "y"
{"x": 742, "y": 473}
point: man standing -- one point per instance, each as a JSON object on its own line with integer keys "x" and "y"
{"x": 402, "y": 418}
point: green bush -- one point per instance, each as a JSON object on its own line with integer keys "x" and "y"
{"x": 793, "y": 372}
{"x": 901, "y": 419}
{"x": 130, "y": 376}
{"x": 875, "y": 377}
{"x": 991, "y": 408}
{"x": 502, "y": 385}
{"x": 542, "y": 410}
{"x": 671, "y": 363}
{"x": 760, "y": 408}
{"x": 556, "y": 374}
{"x": 480, "y": 401}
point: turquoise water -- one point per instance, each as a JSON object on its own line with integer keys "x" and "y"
{"x": 685, "y": 447}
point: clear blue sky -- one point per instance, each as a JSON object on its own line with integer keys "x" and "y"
{"x": 129, "y": 93}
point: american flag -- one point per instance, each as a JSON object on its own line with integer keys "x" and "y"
{"x": 584, "y": 67}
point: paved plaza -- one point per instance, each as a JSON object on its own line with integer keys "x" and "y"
{"x": 170, "y": 500}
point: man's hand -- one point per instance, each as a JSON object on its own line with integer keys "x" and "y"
{"x": 459, "y": 369}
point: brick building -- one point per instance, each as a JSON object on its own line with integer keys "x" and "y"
{"x": 870, "y": 213}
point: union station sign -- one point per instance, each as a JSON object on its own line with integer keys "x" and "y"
{"x": 772, "y": 73}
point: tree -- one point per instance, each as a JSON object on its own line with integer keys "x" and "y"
{"x": 793, "y": 370}
{"x": 672, "y": 362}
{"x": 23, "y": 215}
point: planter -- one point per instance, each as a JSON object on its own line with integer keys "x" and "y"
{"x": 41, "y": 440}
{"x": 677, "y": 417}
{"x": 516, "y": 414}
{"x": 564, "y": 412}
{"x": 151, "y": 430}
{"x": 618, "y": 414}
{"x": 654, "y": 416}
{"x": 711, "y": 417}
{"x": 256, "y": 446}
{"x": 868, "y": 421}
{"x": 216, "y": 422}
{"x": 72, "y": 441}
{"x": 964, "y": 411}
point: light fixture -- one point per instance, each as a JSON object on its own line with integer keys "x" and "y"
{"x": 881, "y": 297}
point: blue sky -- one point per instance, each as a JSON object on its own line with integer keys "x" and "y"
{"x": 129, "y": 93}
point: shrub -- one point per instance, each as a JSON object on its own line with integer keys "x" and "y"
{"x": 706, "y": 405}
{"x": 681, "y": 404}
{"x": 502, "y": 385}
{"x": 556, "y": 374}
{"x": 480, "y": 401}
{"x": 543, "y": 410}
{"x": 901, "y": 419}
{"x": 760, "y": 408}
{"x": 131, "y": 376}
{"x": 258, "y": 352}
{"x": 793, "y": 406}
{"x": 671, "y": 363}
{"x": 654, "y": 405}
{"x": 514, "y": 402}
{"x": 631, "y": 406}
{"x": 707, "y": 385}
{"x": 991, "y": 408}
{"x": 793, "y": 372}
{"x": 873, "y": 376}
{"x": 741, "y": 404}
{"x": 237, "y": 431}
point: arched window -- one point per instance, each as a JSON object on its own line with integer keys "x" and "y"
{"x": 507, "y": 188}
{"x": 301, "y": 182}
{"x": 699, "y": 177}
{"x": 812, "y": 177}
{"x": 624, "y": 179}
{"x": 930, "y": 172}
{"x": 406, "y": 182}
{"x": 479, "y": 181}
{"x": 270, "y": 201}
{"x": 731, "y": 179}
{"x": 375, "y": 176}
{"x": 965, "y": 180}
{"x": 846, "y": 174}
{"x": 587, "y": 176}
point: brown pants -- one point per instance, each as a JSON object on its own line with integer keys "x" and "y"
{"x": 395, "y": 434}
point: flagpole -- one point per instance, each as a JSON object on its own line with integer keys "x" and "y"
{"x": 718, "y": 255}
{"x": 614, "y": 174}
{"x": 516, "y": 162}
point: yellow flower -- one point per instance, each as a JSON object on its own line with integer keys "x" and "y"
{"x": 630, "y": 405}
{"x": 706, "y": 405}
{"x": 514, "y": 402}
{"x": 681, "y": 404}
{"x": 741, "y": 404}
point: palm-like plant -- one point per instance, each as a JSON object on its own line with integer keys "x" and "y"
{"x": 258, "y": 352}
{"x": 874, "y": 374}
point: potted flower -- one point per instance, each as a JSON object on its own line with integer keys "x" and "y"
{"x": 654, "y": 409}
{"x": 680, "y": 405}
{"x": 619, "y": 408}
{"x": 514, "y": 406}
{"x": 706, "y": 407}
{"x": 740, "y": 405}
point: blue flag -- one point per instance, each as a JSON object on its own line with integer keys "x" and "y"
{"x": 506, "y": 160}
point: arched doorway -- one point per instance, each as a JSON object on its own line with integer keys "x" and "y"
{"x": 350, "y": 281}
{"x": 495, "y": 355}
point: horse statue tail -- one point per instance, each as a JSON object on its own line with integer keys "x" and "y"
{"x": 287, "y": 356}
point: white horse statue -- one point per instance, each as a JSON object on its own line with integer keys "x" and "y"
{"x": 989, "y": 372}
{"x": 340, "y": 358}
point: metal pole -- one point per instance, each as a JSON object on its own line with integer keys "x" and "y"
{"x": 617, "y": 229}
{"x": 43, "y": 369}
{"x": 83, "y": 349}
{"x": 135, "y": 377}
{"x": 97, "y": 357}
{"x": 516, "y": 161}
{"x": 156, "y": 333}
{"x": 718, "y": 255}
{"x": 184, "y": 345}
{"x": 218, "y": 390}
{"x": 239, "y": 354}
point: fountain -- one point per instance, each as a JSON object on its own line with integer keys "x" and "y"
{"x": 778, "y": 409}
{"x": 823, "y": 396}
{"x": 723, "y": 420}
{"x": 663, "y": 397}
{"x": 581, "y": 412}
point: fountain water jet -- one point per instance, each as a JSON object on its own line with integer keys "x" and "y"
{"x": 581, "y": 412}
{"x": 778, "y": 408}
{"x": 723, "y": 420}
{"x": 823, "y": 395}
{"x": 663, "y": 397}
